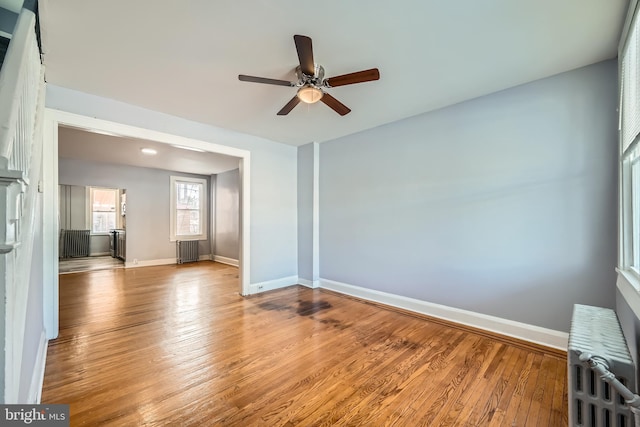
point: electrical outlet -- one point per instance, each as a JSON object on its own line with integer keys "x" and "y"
{"x": 135, "y": 261}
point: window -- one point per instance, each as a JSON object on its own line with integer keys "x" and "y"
{"x": 634, "y": 214}
{"x": 188, "y": 208}
{"x": 630, "y": 152}
{"x": 103, "y": 206}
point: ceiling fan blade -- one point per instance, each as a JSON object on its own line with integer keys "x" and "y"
{"x": 352, "y": 78}
{"x": 264, "y": 80}
{"x": 305, "y": 54}
{"x": 335, "y": 105}
{"x": 287, "y": 108}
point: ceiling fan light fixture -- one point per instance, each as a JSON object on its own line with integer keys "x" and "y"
{"x": 310, "y": 94}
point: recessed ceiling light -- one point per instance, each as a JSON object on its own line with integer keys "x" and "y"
{"x": 188, "y": 148}
{"x": 148, "y": 151}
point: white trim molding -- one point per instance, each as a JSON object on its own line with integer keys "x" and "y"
{"x": 37, "y": 377}
{"x": 309, "y": 283}
{"x": 628, "y": 286}
{"x": 162, "y": 261}
{"x": 225, "y": 260}
{"x": 510, "y": 328}
{"x": 100, "y": 254}
{"x": 150, "y": 262}
{"x": 270, "y": 285}
{"x": 175, "y": 181}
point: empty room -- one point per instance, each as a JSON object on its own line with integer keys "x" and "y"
{"x": 347, "y": 213}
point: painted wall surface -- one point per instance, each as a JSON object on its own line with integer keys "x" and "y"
{"x": 273, "y": 228}
{"x": 73, "y": 207}
{"x": 503, "y": 205}
{"x": 73, "y": 201}
{"x": 227, "y": 214}
{"x": 147, "y": 203}
{"x": 34, "y": 325}
{"x": 305, "y": 211}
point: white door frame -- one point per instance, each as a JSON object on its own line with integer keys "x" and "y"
{"x": 54, "y": 118}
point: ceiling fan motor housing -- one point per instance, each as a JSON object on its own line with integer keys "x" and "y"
{"x": 316, "y": 80}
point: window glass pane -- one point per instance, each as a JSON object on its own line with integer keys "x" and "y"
{"x": 631, "y": 95}
{"x": 188, "y": 195}
{"x": 103, "y": 222}
{"x": 635, "y": 213}
{"x": 104, "y": 200}
{"x": 187, "y": 222}
{"x": 103, "y": 209}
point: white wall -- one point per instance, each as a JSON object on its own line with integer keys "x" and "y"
{"x": 34, "y": 325}
{"x": 273, "y": 228}
{"x": 147, "y": 203}
{"x": 227, "y": 214}
{"x": 504, "y": 205}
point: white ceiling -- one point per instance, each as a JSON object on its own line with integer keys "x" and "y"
{"x": 83, "y": 145}
{"x": 184, "y": 57}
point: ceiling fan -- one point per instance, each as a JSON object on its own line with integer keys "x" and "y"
{"x": 311, "y": 80}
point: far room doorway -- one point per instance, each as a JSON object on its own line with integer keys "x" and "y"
{"x": 92, "y": 228}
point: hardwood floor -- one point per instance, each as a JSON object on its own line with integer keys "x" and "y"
{"x": 176, "y": 345}
{"x": 74, "y": 265}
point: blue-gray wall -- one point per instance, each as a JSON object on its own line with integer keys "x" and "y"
{"x": 305, "y": 211}
{"x": 273, "y": 228}
{"x": 503, "y": 205}
{"x": 227, "y": 214}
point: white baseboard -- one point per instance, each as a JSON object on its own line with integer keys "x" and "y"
{"x": 149, "y": 262}
{"x": 37, "y": 378}
{"x": 523, "y": 331}
{"x": 99, "y": 253}
{"x": 164, "y": 261}
{"x": 269, "y": 285}
{"x": 225, "y": 260}
{"x": 309, "y": 283}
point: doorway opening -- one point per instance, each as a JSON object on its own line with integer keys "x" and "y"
{"x": 57, "y": 121}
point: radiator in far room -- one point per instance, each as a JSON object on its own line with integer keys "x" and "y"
{"x": 186, "y": 251}
{"x": 593, "y": 402}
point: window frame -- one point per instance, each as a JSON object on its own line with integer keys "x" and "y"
{"x": 90, "y": 211}
{"x": 629, "y": 153}
{"x": 203, "y": 208}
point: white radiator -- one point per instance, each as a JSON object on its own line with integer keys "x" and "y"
{"x": 187, "y": 251}
{"x": 593, "y": 402}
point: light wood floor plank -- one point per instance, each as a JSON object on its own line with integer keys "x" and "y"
{"x": 177, "y": 345}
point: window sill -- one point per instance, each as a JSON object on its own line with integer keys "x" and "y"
{"x": 630, "y": 277}
{"x": 628, "y": 285}
{"x": 187, "y": 238}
